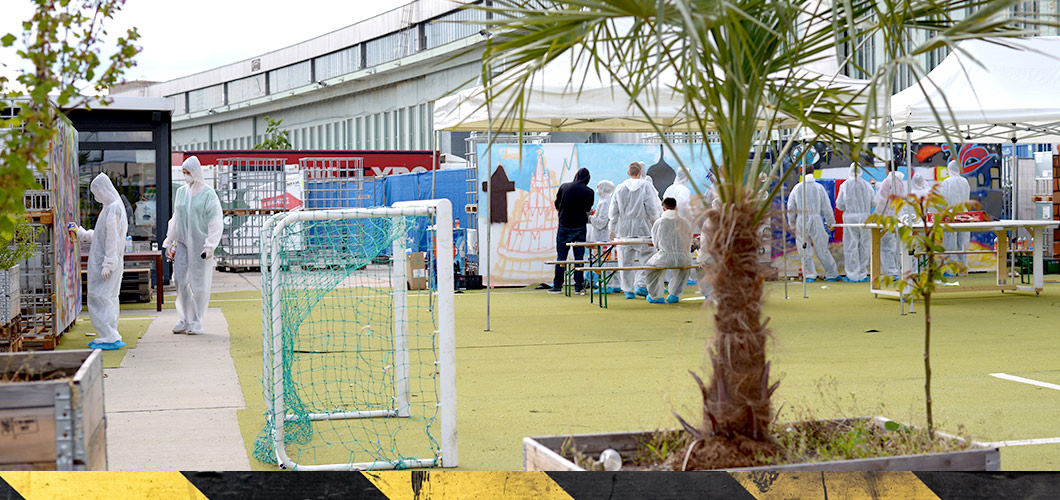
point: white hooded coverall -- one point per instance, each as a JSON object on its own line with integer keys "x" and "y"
{"x": 598, "y": 221}
{"x": 107, "y": 252}
{"x": 956, "y": 190}
{"x": 856, "y": 199}
{"x": 893, "y": 184}
{"x": 679, "y": 192}
{"x": 809, "y": 227}
{"x": 194, "y": 230}
{"x": 672, "y": 237}
{"x": 634, "y": 208}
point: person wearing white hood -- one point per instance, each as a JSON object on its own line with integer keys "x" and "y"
{"x": 672, "y": 237}
{"x": 106, "y": 263}
{"x": 679, "y": 191}
{"x": 956, "y": 190}
{"x": 856, "y": 199}
{"x": 920, "y": 185}
{"x": 634, "y": 208}
{"x": 194, "y": 232}
{"x": 598, "y": 219}
{"x": 804, "y": 214}
{"x": 892, "y": 185}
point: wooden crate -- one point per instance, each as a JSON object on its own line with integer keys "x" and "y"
{"x": 39, "y": 338}
{"x": 11, "y": 335}
{"x": 44, "y": 217}
{"x": 54, "y": 419}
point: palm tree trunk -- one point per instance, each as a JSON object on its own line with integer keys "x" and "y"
{"x": 736, "y": 409}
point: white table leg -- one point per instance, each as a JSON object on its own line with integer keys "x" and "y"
{"x": 1037, "y": 242}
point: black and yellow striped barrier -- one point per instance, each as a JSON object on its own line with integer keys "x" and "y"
{"x": 456, "y": 485}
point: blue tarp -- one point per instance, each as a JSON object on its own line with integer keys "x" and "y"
{"x": 448, "y": 184}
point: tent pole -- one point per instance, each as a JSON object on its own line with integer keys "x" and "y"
{"x": 784, "y": 237}
{"x": 908, "y": 189}
{"x": 489, "y": 223}
{"x": 802, "y": 221}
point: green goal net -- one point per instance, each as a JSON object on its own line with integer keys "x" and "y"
{"x": 358, "y": 339}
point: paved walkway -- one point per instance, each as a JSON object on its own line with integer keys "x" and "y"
{"x": 172, "y": 404}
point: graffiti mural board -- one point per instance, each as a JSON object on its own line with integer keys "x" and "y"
{"x": 63, "y": 174}
{"x": 520, "y": 246}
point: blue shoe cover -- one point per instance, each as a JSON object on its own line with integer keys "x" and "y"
{"x": 613, "y": 290}
{"x": 655, "y": 301}
{"x": 864, "y": 280}
{"x": 630, "y": 295}
{"x": 672, "y": 299}
{"x": 810, "y": 280}
{"x": 832, "y": 279}
{"x": 643, "y": 292}
{"x": 847, "y": 280}
{"x": 948, "y": 274}
{"x": 692, "y": 283}
{"x": 106, "y": 346}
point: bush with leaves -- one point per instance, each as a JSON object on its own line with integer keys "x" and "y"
{"x": 61, "y": 45}
{"x": 274, "y": 137}
{"x": 20, "y": 246}
{"x": 920, "y": 225}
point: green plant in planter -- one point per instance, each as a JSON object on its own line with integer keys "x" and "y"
{"x": 20, "y": 246}
{"x": 924, "y": 236}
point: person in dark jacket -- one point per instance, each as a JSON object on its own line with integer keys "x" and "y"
{"x": 574, "y": 200}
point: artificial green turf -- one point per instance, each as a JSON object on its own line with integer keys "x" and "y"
{"x": 131, "y": 329}
{"x": 552, "y": 364}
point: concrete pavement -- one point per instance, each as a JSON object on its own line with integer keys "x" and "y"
{"x": 172, "y": 404}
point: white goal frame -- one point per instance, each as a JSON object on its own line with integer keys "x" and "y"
{"x": 272, "y": 337}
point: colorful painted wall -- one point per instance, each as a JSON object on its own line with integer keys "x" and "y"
{"x": 62, "y": 168}
{"x": 521, "y": 244}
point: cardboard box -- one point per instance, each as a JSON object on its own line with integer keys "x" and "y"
{"x": 416, "y": 270}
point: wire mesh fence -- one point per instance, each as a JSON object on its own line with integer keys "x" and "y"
{"x": 250, "y": 191}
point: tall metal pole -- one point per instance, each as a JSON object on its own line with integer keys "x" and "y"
{"x": 784, "y": 239}
{"x": 802, "y": 221}
{"x": 489, "y": 223}
{"x": 908, "y": 189}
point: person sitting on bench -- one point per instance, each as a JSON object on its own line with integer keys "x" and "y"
{"x": 672, "y": 238}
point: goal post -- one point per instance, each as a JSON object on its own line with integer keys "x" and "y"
{"x": 358, "y": 372}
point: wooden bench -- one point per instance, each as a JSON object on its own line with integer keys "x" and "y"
{"x": 606, "y": 273}
{"x": 568, "y": 272}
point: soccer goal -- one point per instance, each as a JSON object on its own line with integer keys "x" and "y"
{"x": 358, "y": 370}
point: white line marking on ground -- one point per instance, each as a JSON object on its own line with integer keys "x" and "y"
{"x": 1025, "y": 442}
{"x": 1014, "y": 378}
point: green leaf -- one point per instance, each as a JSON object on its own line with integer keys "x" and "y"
{"x": 8, "y": 40}
{"x": 891, "y": 425}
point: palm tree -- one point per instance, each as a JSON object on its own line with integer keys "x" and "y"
{"x": 740, "y": 67}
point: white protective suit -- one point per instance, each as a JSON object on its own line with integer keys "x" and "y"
{"x": 634, "y": 208}
{"x": 679, "y": 191}
{"x": 598, "y": 221}
{"x": 711, "y": 200}
{"x": 893, "y": 184}
{"x": 856, "y": 199}
{"x": 672, "y": 237}
{"x": 809, "y": 227}
{"x": 106, "y": 263}
{"x": 194, "y": 232}
{"x": 920, "y": 185}
{"x": 955, "y": 189}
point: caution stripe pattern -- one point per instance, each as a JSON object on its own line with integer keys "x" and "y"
{"x": 460, "y": 485}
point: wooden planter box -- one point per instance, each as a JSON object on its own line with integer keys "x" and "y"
{"x": 543, "y": 454}
{"x": 57, "y": 423}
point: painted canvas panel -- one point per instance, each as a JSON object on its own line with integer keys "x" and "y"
{"x": 520, "y": 246}
{"x": 62, "y": 168}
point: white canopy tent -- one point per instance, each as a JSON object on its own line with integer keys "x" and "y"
{"x": 995, "y": 90}
{"x": 562, "y": 99}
